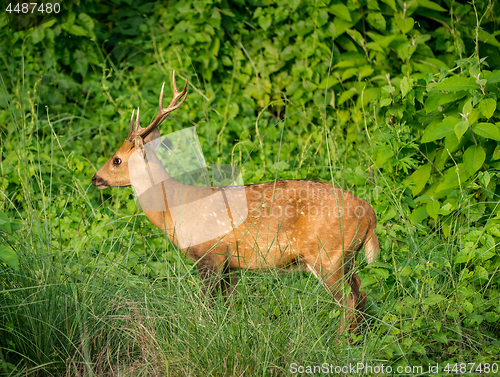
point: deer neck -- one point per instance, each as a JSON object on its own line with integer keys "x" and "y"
{"x": 151, "y": 181}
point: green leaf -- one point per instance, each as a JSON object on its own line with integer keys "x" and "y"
{"x": 451, "y": 142}
{"x": 356, "y": 35}
{"x": 431, "y": 5}
{"x": 216, "y": 46}
{"x": 496, "y": 153}
{"x": 419, "y": 215}
{"x": 484, "y": 178}
{"x": 433, "y": 208}
{"x": 463, "y": 256}
{"x": 486, "y": 37}
{"x": 226, "y": 12}
{"x": 480, "y": 273}
{"x": 453, "y": 177}
{"x": 419, "y": 178}
{"x": 418, "y": 348}
{"x": 487, "y": 130}
{"x": 340, "y": 10}
{"x": 436, "y": 99}
{"x": 346, "y": 95}
{"x": 341, "y": 26}
{"x": 382, "y": 272}
{"x": 74, "y": 29}
{"x": 81, "y": 63}
{"x": 460, "y": 128}
{"x": 440, "y": 337}
{"x": 404, "y": 25}
{"x": 474, "y": 157}
{"x": 433, "y": 299}
{"x": 86, "y": 21}
{"x": 456, "y": 83}
{"x": 233, "y": 110}
{"x": 265, "y": 22}
{"x": 391, "y": 3}
{"x": 385, "y": 102}
{"x": 487, "y": 107}
{"x": 5, "y": 223}
{"x": 9, "y": 256}
{"x": 473, "y": 116}
{"x": 328, "y": 82}
{"x": 294, "y": 4}
{"x": 37, "y": 35}
{"x": 389, "y": 88}
{"x": 467, "y": 107}
{"x": 367, "y": 281}
{"x": 377, "y": 20}
{"x": 493, "y": 78}
{"x": 491, "y": 316}
{"x": 406, "y": 86}
{"x": 437, "y": 131}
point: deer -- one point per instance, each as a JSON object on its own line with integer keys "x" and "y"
{"x": 278, "y": 224}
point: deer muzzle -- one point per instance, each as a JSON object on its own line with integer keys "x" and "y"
{"x": 99, "y": 182}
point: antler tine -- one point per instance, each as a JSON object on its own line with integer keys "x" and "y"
{"x": 131, "y": 125}
{"x": 177, "y": 95}
{"x": 163, "y": 112}
{"x": 160, "y": 105}
{"x": 137, "y": 124}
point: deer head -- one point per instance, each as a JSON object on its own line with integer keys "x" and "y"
{"x": 115, "y": 171}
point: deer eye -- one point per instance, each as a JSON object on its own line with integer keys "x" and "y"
{"x": 117, "y": 161}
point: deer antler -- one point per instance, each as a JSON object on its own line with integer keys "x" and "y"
{"x": 177, "y": 101}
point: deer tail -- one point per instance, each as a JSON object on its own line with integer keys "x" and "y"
{"x": 372, "y": 248}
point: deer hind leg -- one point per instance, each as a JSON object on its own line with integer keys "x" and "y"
{"x": 356, "y": 299}
{"x": 329, "y": 268}
{"x": 359, "y": 300}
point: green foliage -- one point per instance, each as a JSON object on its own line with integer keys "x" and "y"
{"x": 7, "y": 254}
{"x": 394, "y": 101}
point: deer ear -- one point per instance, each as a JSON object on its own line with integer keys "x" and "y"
{"x": 139, "y": 146}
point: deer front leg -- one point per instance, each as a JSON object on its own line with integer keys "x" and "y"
{"x": 211, "y": 280}
{"x": 228, "y": 283}
{"x": 216, "y": 276}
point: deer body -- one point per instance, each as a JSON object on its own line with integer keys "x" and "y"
{"x": 309, "y": 223}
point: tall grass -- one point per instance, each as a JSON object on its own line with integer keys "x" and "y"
{"x": 78, "y": 305}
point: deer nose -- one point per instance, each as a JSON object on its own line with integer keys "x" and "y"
{"x": 96, "y": 180}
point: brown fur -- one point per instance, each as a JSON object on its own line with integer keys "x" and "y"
{"x": 310, "y": 223}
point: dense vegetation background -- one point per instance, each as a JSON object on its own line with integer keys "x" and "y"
{"x": 394, "y": 101}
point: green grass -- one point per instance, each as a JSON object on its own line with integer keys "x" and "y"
{"x": 99, "y": 291}
{"x": 104, "y": 301}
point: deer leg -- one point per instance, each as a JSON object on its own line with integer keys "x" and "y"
{"x": 210, "y": 277}
{"x": 216, "y": 276}
{"x": 229, "y": 282}
{"x": 357, "y": 299}
{"x": 331, "y": 271}
{"x": 360, "y": 300}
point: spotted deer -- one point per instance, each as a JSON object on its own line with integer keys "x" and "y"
{"x": 312, "y": 224}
